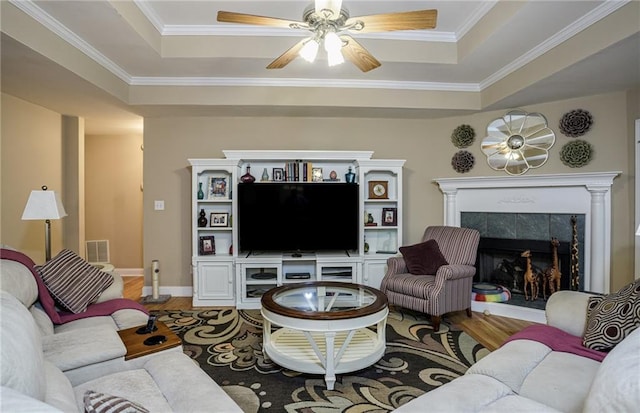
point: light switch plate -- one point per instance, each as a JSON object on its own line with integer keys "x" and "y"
{"x": 158, "y": 205}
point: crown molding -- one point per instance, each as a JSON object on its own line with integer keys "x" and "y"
{"x": 296, "y": 82}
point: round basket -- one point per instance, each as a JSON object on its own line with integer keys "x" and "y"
{"x": 490, "y": 293}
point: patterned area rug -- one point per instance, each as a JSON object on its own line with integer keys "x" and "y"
{"x": 227, "y": 344}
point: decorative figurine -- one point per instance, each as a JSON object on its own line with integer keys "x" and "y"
{"x": 202, "y": 221}
{"x": 350, "y": 177}
{"x": 247, "y": 178}
{"x": 200, "y": 191}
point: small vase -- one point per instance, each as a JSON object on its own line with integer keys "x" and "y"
{"x": 265, "y": 175}
{"x": 200, "y": 192}
{"x": 247, "y": 178}
{"x": 202, "y": 221}
{"x": 350, "y": 177}
{"x": 366, "y": 246}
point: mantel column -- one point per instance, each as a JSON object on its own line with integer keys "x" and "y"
{"x": 600, "y": 239}
{"x": 451, "y": 217}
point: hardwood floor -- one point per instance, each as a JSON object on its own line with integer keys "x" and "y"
{"x": 488, "y": 330}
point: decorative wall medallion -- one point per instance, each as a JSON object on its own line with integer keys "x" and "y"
{"x": 518, "y": 141}
{"x": 576, "y": 123}
{"x": 576, "y": 153}
{"x": 463, "y": 161}
{"x": 463, "y": 136}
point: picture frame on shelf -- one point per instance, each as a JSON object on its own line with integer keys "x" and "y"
{"x": 207, "y": 245}
{"x": 278, "y": 174}
{"x": 218, "y": 187}
{"x": 219, "y": 219}
{"x": 390, "y": 217}
{"x": 387, "y": 243}
{"x": 378, "y": 189}
{"x": 316, "y": 175}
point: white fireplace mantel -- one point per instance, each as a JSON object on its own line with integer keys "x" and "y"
{"x": 577, "y": 193}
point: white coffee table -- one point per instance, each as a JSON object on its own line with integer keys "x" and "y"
{"x": 325, "y": 327}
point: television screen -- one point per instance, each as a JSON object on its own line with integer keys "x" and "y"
{"x": 297, "y": 216}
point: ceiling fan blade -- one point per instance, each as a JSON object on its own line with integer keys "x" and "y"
{"x": 288, "y": 56}
{"x": 232, "y": 17}
{"x": 388, "y": 22}
{"x": 358, "y": 55}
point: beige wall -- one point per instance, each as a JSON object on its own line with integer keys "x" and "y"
{"x": 425, "y": 144}
{"x": 114, "y": 195}
{"x": 42, "y": 147}
{"x": 31, "y": 157}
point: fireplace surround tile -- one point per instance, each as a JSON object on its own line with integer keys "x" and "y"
{"x": 501, "y": 225}
{"x": 532, "y": 226}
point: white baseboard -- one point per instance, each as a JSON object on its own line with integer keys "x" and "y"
{"x": 511, "y": 311}
{"x": 173, "y": 291}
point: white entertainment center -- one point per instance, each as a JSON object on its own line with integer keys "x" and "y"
{"x": 224, "y": 276}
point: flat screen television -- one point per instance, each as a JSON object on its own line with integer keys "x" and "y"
{"x": 298, "y": 217}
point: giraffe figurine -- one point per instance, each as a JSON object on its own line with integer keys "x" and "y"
{"x": 530, "y": 278}
{"x": 552, "y": 274}
{"x": 575, "y": 259}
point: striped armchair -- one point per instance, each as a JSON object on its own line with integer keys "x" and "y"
{"x": 449, "y": 289}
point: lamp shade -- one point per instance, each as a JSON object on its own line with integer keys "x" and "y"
{"x": 43, "y": 205}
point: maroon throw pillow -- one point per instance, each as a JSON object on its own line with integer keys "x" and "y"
{"x": 424, "y": 258}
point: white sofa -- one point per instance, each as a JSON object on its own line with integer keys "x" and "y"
{"x": 527, "y": 376}
{"x": 50, "y": 368}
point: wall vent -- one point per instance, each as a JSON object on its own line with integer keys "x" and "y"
{"x": 97, "y": 251}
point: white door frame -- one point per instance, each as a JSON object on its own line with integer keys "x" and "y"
{"x": 637, "y": 201}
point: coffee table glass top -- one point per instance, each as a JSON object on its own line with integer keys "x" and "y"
{"x": 324, "y": 300}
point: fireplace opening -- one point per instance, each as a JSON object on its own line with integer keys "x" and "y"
{"x": 500, "y": 261}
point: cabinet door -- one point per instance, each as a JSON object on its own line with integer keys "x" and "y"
{"x": 374, "y": 271}
{"x": 215, "y": 281}
{"x": 338, "y": 271}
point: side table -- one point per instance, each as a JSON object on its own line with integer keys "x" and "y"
{"x": 135, "y": 342}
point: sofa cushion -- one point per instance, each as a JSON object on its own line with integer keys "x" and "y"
{"x": 95, "y": 402}
{"x": 21, "y": 357}
{"x": 616, "y": 388}
{"x": 16, "y": 402}
{"x": 59, "y": 390}
{"x": 78, "y": 348}
{"x": 561, "y": 381}
{"x": 612, "y": 317}
{"x": 167, "y": 365}
{"x": 18, "y": 280}
{"x": 135, "y": 385}
{"x": 478, "y": 391}
{"x": 424, "y": 258}
{"x": 73, "y": 282}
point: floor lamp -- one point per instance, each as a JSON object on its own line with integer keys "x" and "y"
{"x": 44, "y": 205}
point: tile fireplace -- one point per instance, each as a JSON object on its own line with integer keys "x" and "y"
{"x": 525, "y": 212}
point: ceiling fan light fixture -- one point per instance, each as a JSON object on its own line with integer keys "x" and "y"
{"x": 335, "y": 57}
{"x": 328, "y": 8}
{"x": 310, "y": 50}
{"x": 332, "y": 42}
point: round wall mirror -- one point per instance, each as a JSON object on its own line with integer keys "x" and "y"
{"x": 518, "y": 141}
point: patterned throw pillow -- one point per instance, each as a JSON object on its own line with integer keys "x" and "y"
{"x": 424, "y": 258}
{"x": 73, "y": 282}
{"x": 613, "y": 317}
{"x": 95, "y": 402}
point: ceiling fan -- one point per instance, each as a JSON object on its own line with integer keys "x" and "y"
{"x": 329, "y": 23}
